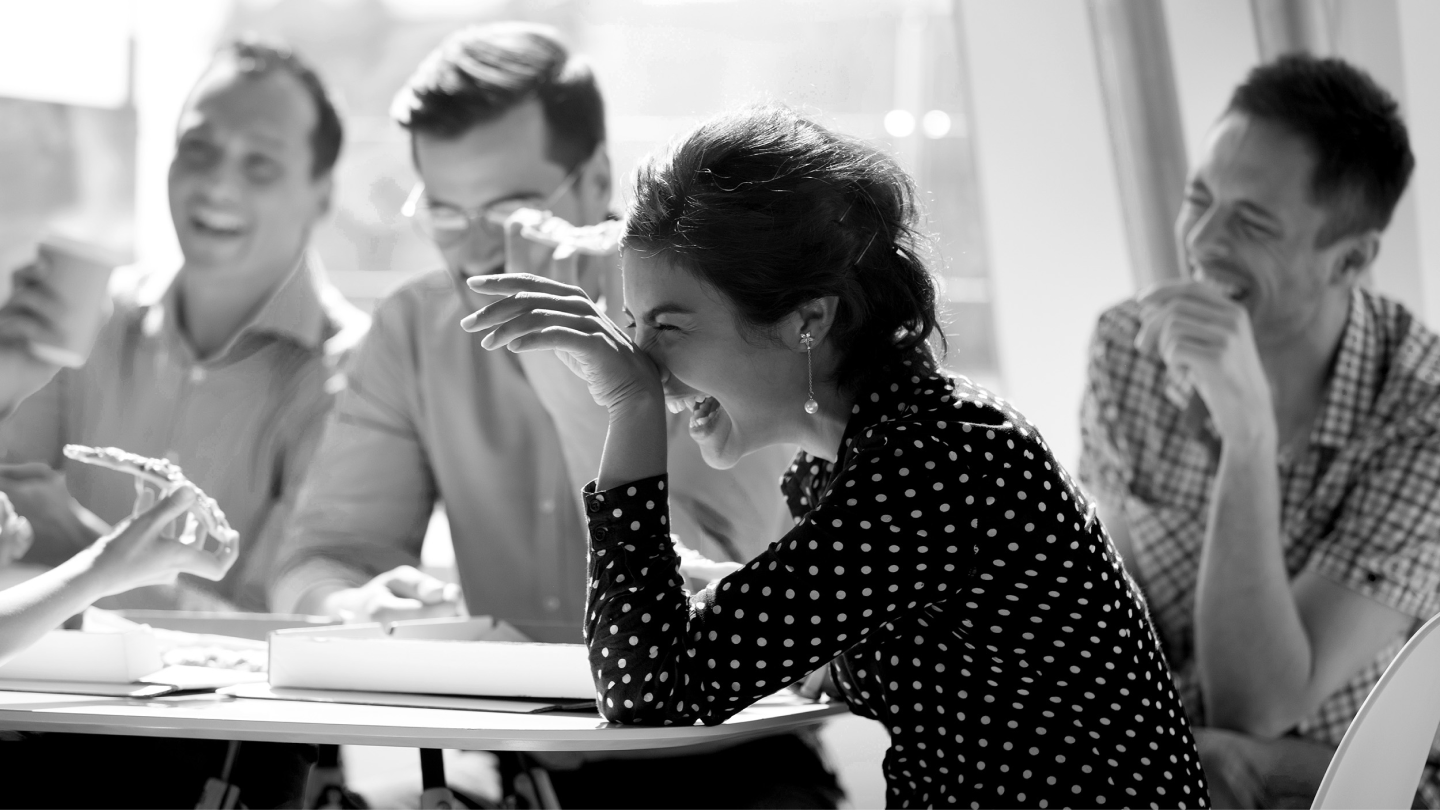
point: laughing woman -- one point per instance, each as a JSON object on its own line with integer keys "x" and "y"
{"x": 942, "y": 562}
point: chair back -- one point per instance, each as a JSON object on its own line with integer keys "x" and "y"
{"x": 1381, "y": 758}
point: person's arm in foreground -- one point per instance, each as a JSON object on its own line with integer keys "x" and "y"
{"x": 1269, "y": 650}
{"x": 353, "y": 540}
{"x": 135, "y": 554}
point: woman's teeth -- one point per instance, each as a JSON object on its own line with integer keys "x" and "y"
{"x": 678, "y": 404}
{"x": 704, "y": 411}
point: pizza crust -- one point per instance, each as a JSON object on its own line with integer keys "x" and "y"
{"x": 600, "y": 239}
{"x": 165, "y": 476}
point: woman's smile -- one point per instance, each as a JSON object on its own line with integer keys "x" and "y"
{"x": 707, "y": 416}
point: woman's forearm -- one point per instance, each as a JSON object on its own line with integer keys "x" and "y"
{"x": 32, "y": 608}
{"x": 635, "y": 443}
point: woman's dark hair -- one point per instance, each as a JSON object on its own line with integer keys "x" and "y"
{"x": 774, "y": 210}
{"x": 481, "y": 72}
{"x": 1362, "y": 151}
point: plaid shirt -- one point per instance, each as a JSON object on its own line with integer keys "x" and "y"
{"x": 1360, "y": 501}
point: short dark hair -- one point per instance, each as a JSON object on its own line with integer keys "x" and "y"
{"x": 257, "y": 58}
{"x": 481, "y": 72}
{"x": 1362, "y": 151}
{"x": 774, "y": 210}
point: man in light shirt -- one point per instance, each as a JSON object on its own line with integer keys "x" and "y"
{"x": 226, "y": 367}
{"x": 501, "y": 117}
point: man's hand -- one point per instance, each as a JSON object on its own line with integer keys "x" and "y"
{"x": 1245, "y": 771}
{"x": 15, "y": 533}
{"x": 816, "y": 685}
{"x": 39, "y": 493}
{"x": 1195, "y": 327}
{"x": 401, "y": 593}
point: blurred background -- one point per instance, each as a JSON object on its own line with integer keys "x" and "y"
{"x": 1049, "y": 138}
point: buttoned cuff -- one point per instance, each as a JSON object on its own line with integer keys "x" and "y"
{"x": 632, "y": 513}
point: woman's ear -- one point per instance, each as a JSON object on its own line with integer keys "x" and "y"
{"x": 815, "y": 316}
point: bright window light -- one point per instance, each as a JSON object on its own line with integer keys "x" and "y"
{"x": 39, "y": 43}
{"x": 936, "y": 124}
{"x": 899, "y": 123}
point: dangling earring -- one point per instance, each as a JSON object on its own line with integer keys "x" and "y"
{"x": 811, "y": 406}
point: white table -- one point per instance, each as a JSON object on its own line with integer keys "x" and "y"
{"x": 218, "y": 717}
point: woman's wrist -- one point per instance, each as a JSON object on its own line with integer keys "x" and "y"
{"x": 635, "y": 443}
{"x": 88, "y": 575}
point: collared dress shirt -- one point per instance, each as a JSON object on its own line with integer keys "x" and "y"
{"x": 242, "y": 423}
{"x": 969, "y": 598}
{"x": 428, "y": 415}
{"x": 1360, "y": 500}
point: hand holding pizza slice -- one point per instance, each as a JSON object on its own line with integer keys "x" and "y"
{"x": 155, "y": 480}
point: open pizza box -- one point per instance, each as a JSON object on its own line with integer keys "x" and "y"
{"x": 146, "y": 653}
{"x": 478, "y": 657}
{"x": 115, "y": 654}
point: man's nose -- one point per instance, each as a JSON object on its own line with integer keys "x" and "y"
{"x": 476, "y": 248}
{"x": 222, "y": 183}
{"x": 1206, "y": 234}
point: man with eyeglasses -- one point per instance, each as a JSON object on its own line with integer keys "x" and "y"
{"x": 501, "y": 117}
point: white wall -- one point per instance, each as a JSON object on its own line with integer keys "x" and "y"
{"x": 1051, "y": 202}
{"x": 1212, "y": 44}
{"x": 1368, "y": 33}
{"x": 1419, "y": 23}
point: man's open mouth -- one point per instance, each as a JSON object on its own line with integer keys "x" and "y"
{"x": 1229, "y": 289}
{"x": 217, "y": 223}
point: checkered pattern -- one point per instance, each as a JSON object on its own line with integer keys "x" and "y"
{"x": 1360, "y": 501}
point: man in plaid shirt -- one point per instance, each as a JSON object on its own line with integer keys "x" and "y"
{"x": 1263, "y": 437}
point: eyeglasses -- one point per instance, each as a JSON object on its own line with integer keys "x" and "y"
{"x": 447, "y": 223}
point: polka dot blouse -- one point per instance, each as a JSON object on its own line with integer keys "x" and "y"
{"x": 967, "y": 595}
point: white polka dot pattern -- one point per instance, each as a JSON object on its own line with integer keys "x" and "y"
{"x": 968, "y": 596}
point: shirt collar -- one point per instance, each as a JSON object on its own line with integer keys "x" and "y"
{"x": 295, "y": 311}
{"x": 1354, "y": 377}
{"x": 882, "y": 397}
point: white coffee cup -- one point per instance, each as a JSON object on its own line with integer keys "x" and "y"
{"x": 59, "y": 301}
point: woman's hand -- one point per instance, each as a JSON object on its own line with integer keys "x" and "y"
{"x": 536, "y": 313}
{"x": 140, "y": 551}
{"x": 15, "y": 533}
